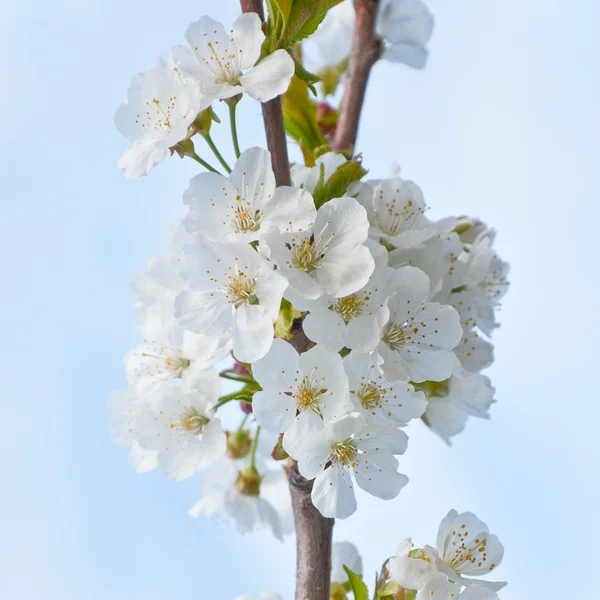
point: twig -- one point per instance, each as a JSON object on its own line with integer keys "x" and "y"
{"x": 366, "y": 49}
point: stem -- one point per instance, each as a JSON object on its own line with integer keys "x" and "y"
{"x": 203, "y": 163}
{"x": 253, "y": 448}
{"x": 234, "y": 135}
{"x": 313, "y": 541}
{"x": 366, "y": 49}
{"x": 216, "y": 152}
{"x": 239, "y": 378}
{"x": 243, "y": 422}
{"x": 229, "y": 397}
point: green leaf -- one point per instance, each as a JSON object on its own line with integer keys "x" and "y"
{"x": 337, "y": 184}
{"x": 300, "y": 120}
{"x": 330, "y": 77}
{"x": 304, "y": 18}
{"x": 284, "y": 7}
{"x": 301, "y": 73}
{"x": 359, "y": 589}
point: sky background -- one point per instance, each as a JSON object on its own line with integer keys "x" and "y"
{"x": 503, "y": 124}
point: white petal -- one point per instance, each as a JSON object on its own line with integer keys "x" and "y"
{"x": 278, "y": 368}
{"x": 274, "y": 411}
{"x": 252, "y": 333}
{"x": 325, "y": 327}
{"x": 270, "y": 77}
{"x": 203, "y": 312}
{"x": 248, "y": 37}
{"x": 290, "y": 209}
{"x": 142, "y": 158}
{"x": 252, "y": 175}
{"x": 306, "y": 430}
{"x": 379, "y": 476}
{"x": 363, "y": 333}
{"x": 345, "y": 270}
{"x": 333, "y": 493}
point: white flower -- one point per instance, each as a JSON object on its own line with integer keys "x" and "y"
{"x": 413, "y": 567}
{"x": 486, "y": 281}
{"x": 466, "y": 547}
{"x": 417, "y": 341}
{"x": 261, "y": 596}
{"x": 452, "y": 401}
{"x": 170, "y": 354}
{"x": 125, "y": 408}
{"x": 241, "y": 207}
{"x": 344, "y": 553}
{"x": 395, "y": 208}
{"x": 406, "y": 27}
{"x": 439, "y": 587}
{"x": 231, "y": 286}
{"x": 225, "y": 63}
{"x": 225, "y": 496}
{"x": 333, "y": 39}
{"x": 350, "y": 449}
{"x": 353, "y": 321}
{"x": 181, "y": 427}
{"x": 312, "y": 384}
{"x": 330, "y": 258}
{"x": 160, "y": 107}
{"x": 395, "y": 401}
{"x": 478, "y": 592}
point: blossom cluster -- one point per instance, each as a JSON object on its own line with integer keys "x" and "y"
{"x": 336, "y": 307}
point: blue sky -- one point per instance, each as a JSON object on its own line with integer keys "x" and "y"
{"x": 503, "y": 124}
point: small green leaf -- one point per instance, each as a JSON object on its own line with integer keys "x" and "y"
{"x": 301, "y": 73}
{"x": 284, "y": 6}
{"x": 359, "y": 589}
{"x": 337, "y": 184}
{"x": 304, "y": 18}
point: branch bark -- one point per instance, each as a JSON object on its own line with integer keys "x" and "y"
{"x": 273, "y": 118}
{"x": 366, "y": 49}
{"x": 313, "y": 541}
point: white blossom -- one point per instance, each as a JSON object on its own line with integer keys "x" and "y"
{"x": 225, "y": 497}
{"x": 159, "y": 108}
{"x": 231, "y": 287}
{"x": 180, "y": 426}
{"x": 413, "y": 567}
{"x": 298, "y": 390}
{"x": 439, "y": 587}
{"x": 239, "y": 208}
{"x": 225, "y": 64}
{"x": 391, "y": 401}
{"x": 325, "y": 166}
{"x": 417, "y": 341}
{"x": 329, "y": 258}
{"x": 346, "y": 451}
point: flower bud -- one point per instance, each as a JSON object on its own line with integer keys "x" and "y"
{"x": 278, "y": 452}
{"x": 238, "y": 443}
{"x": 248, "y": 482}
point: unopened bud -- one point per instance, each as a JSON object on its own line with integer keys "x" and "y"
{"x": 248, "y": 482}
{"x": 246, "y": 407}
{"x": 327, "y": 118}
{"x": 203, "y": 121}
{"x": 241, "y": 369}
{"x": 238, "y": 443}
{"x": 278, "y": 452}
{"x": 468, "y": 229}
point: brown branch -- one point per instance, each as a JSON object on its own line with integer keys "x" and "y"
{"x": 366, "y": 49}
{"x": 313, "y": 541}
{"x": 273, "y": 118}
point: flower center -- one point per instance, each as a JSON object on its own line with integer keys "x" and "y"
{"x": 191, "y": 421}
{"x": 307, "y": 396}
{"x": 370, "y": 394}
{"x": 244, "y": 218}
{"x": 394, "y": 335}
{"x": 344, "y": 453}
{"x": 349, "y": 307}
{"x": 460, "y": 553}
{"x": 394, "y": 219}
{"x": 158, "y": 117}
{"x": 307, "y": 255}
{"x": 241, "y": 290}
{"x": 168, "y": 362}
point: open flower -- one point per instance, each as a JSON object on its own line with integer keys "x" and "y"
{"x": 329, "y": 258}
{"x": 225, "y": 64}
{"x": 160, "y": 107}
{"x": 239, "y": 208}
{"x": 181, "y": 428}
{"x": 417, "y": 341}
{"x": 350, "y": 450}
{"x": 231, "y": 287}
{"x": 389, "y": 401}
{"x": 298, "y": 391}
